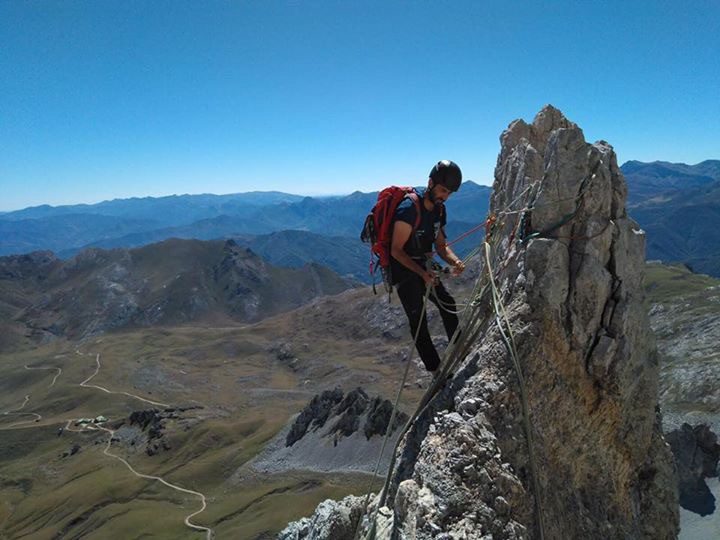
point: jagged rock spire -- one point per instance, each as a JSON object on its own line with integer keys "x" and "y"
{"x": 569, "y": 264}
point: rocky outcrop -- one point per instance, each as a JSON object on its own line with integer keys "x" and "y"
{"x": 314, "y": 415}
{"x": 333, "y": 520}
{"x": 335, "y": 432}
{"x": 152, "y": 422}
{"x": 347, "y": 412}
{"x": 351, "y": 408}
{"x": 696, "y": 452}
{"x": 32, "y": 266}
{"x": 568, "y": 264}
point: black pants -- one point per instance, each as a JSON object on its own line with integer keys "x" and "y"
{"x": 411, "y": 291}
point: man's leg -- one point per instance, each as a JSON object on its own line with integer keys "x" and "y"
{"x": 446, "y": 305}
{"x": 411, "y": 293}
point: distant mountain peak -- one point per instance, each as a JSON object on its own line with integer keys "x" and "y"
{"x": 171, "y": 282}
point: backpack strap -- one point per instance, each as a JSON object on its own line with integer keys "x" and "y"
{"x": 413, "y": 196}
{"x": 442, "y": 211}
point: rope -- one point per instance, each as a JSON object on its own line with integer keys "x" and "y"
{"x": 460, "y": 341}
{"x": 463, "y": 235}
{"x": 468, "y": 332}
{"x": 509, "y": 340}
{"x": 567, "y": 217}
{"x": 446, "y": 270}
{"x": 389, "y": 429}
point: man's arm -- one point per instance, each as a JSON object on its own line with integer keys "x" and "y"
{"x": 401, "y": 234}
{"x": 447, "y": 254}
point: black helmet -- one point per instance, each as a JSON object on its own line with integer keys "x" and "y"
{"x": 447, "y": 173}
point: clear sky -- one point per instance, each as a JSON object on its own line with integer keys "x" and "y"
{"x": 105, "y": 99}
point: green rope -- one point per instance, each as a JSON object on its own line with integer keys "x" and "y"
{"x": 567, "y": 217}
{"x": 388, "y": 431}
{"x": 457, "y": 349}
{"x": 509, "y": 341}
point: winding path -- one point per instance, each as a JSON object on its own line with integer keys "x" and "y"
{"x": 92, "y": 427}
{"x": 59, "y": 372}
{"x": 208, "y": 531}
{"x": 20, "y": 408}
{"x": 27, "y": 398}
{"x": 97, "y": 370}
{"x": 16, "y": 410}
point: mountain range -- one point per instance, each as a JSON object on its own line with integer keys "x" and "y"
{"x": 172, "y": 282}
{"x": 682, "y": 223}
{"x": 67, "y": 230}
{"x": 659, "y": 180}
{"x": 203, "y": 328}
{"x": 678, "y": 205}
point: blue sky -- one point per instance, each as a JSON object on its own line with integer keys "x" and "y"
{"x": 115, "y": 99}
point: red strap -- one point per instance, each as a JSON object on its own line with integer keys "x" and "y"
{"x": 416, "y": 200}
{"x": 467, "y": 233}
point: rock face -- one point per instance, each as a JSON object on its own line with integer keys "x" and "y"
{"x": 332, "y": 521}
{"x": 347, "y": 412}
{"x": 314, "y": 415}
{"x": 696, "y": 452}
{"x": 151, "y": 421}
{"x": 568, "y": 264}
{"x": 335, "y": 432}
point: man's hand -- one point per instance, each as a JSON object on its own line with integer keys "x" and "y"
{"x": 429, "y": 277}
{"x": 458, "y": 268}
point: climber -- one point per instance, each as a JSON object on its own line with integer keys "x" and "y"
{"x": 411, "y": 255}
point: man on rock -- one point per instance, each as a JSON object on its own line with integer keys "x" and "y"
{"x": 412, "y": 250}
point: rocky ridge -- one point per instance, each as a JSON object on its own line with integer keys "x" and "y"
{"x": 173, "y": 282}
{"x": 335, "y": 431}
{"x": 696, "y": 452}
{"x": 348, "y": 411}
{"x": 569, "y": 264}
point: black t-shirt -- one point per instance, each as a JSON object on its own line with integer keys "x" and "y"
{"x": 421, "y": 242}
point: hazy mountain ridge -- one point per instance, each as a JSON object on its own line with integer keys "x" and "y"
{"x": 177, "y": 217}
{"x": 55, "y": 232}
{"x": 175, "y": 208}
{"x": 658, "y": 180}
{"x": 293, "y": 249}
{"x": 345, "y": 255}
{"x": 678, "y": 204}
{"x": 172, "y": 282}
{"x": 684, "y": 227}
{"x": 679, "y": 207}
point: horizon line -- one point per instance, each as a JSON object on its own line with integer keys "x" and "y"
{"x": 255, "y": 191}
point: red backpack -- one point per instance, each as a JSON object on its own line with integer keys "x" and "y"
{"x": 378, "y": 228}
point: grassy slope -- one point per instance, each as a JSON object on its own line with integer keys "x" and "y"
{"x": 248, "y": 395}
{"x": 685, "y": 315}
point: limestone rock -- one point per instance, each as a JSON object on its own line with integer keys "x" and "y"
{"x": 569, "y": 264}
{"x": 696, "y": 452}
{"x": 347, "y": 413}
{"x": 333, "y": 520}
{"x": 314, "y": 415}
